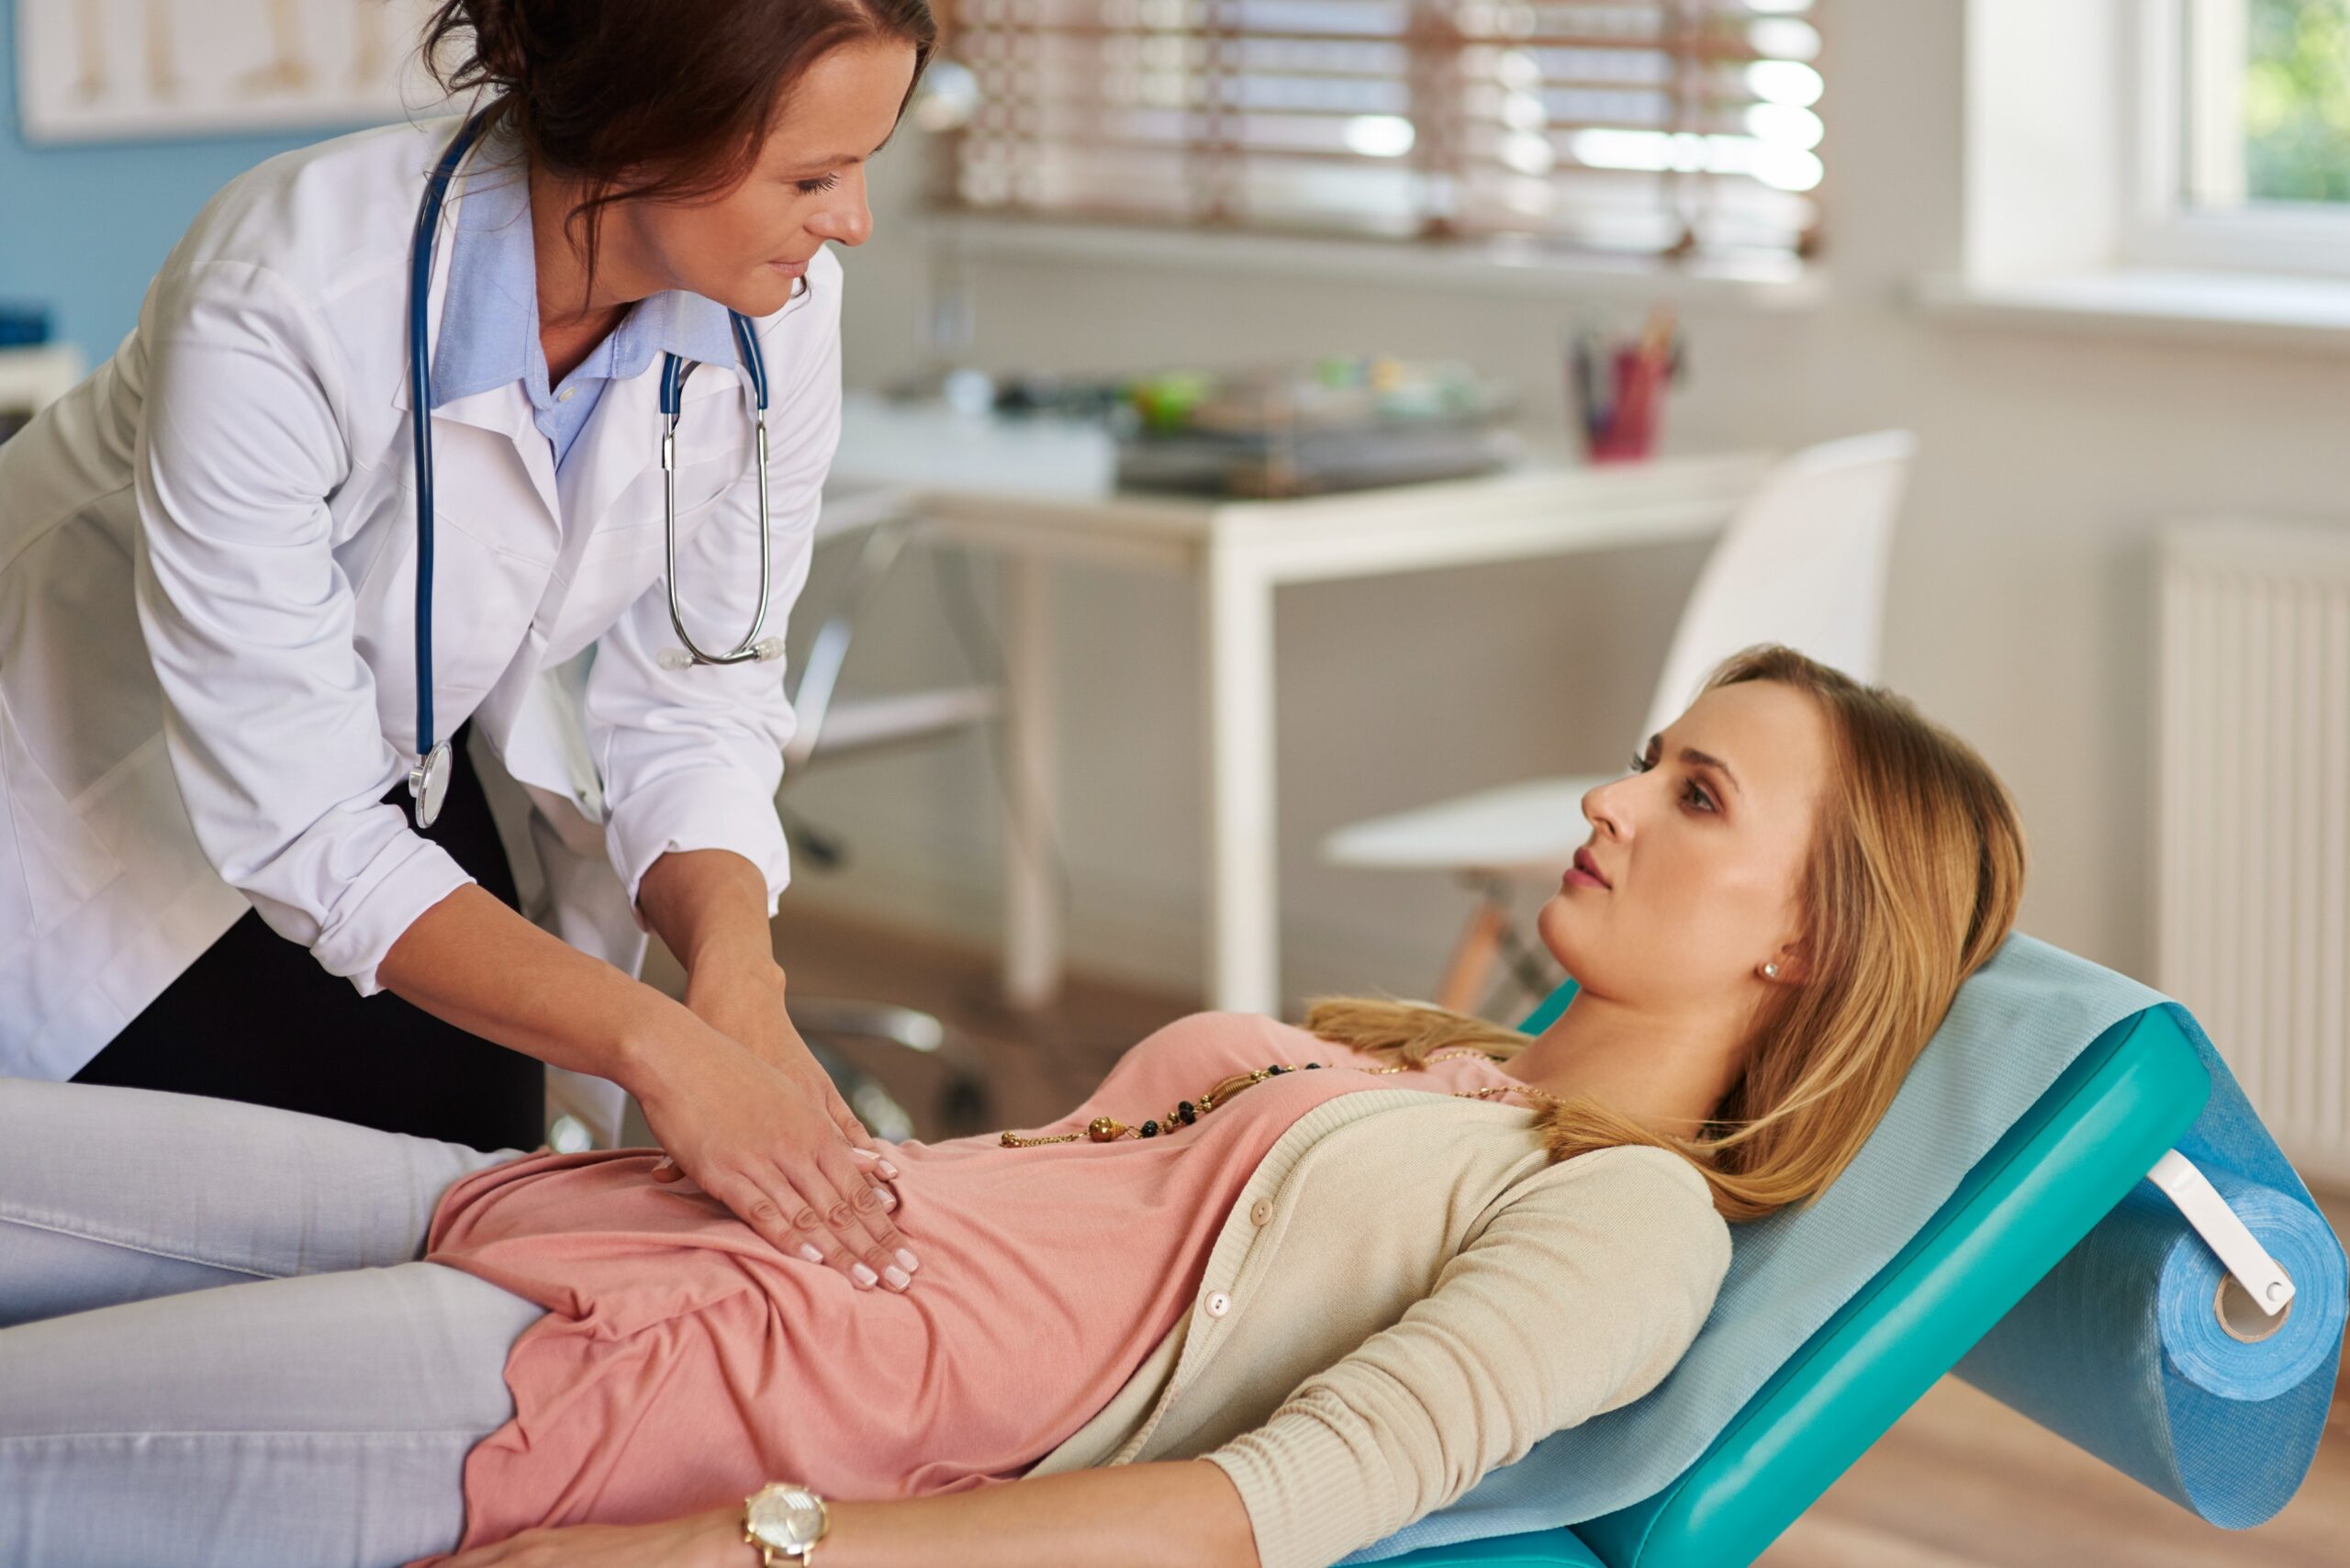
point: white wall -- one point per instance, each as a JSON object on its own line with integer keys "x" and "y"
{"x": 2020, "y": 612}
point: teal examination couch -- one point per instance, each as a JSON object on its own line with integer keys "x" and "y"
{"x": 2087, "y": 1141}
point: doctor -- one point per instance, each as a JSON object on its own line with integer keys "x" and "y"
{"x": 245, "y": 851}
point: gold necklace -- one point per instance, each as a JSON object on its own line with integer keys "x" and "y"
{"x": 1103, "y": 1129}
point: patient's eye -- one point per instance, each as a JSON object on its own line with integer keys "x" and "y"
{"x": 1690, "y": 792}
{"x": 812, "y": 187}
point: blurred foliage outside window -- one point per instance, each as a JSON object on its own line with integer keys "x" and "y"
{"x": 2296, "y": 103}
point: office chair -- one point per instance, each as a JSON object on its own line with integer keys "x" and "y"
{"x": 831, "y": 727}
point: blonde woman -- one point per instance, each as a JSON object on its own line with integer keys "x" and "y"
{"x": 1267, "y": 1296}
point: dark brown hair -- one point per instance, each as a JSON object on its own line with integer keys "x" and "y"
{"x": 682, "y": 92}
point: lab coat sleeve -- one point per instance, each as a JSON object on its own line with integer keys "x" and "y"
{"x": 691, "y": 758}
{"x": 1566, "y": 1305}
{"x": 269, "y": 710}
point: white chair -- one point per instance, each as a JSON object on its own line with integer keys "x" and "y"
{"x": 1803, "y": 562}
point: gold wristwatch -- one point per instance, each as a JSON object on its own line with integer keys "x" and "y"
{"x": 785, "y": 1522}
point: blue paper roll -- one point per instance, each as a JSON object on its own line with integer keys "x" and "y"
{"x": 2120, "y": 1350}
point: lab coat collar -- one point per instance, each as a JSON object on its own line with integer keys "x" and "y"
{"x": 489, "y": 331}
{"x": 698, "y": 327}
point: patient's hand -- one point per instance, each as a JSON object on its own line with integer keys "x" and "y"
{"x": 712, "y": 1540}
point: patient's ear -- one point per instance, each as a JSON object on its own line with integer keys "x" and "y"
{"x": 1783, "y": 968}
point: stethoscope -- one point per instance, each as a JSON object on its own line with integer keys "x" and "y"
{"x": 428, "y": 780}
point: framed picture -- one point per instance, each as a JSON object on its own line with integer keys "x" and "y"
{"x": 100, "y": 70}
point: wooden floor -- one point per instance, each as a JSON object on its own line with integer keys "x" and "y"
{"x": 1960, "y": 1480}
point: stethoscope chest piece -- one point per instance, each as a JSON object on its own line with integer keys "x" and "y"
{"x": 427, "y": 784}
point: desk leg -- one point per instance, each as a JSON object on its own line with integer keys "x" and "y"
{"x": 1032, "y": 916}
{"x": 1243, "y": 911}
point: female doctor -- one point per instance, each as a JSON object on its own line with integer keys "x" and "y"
{"x": 215, "y": 747}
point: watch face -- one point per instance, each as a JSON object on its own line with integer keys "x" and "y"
{"x": 790, "y": 1517}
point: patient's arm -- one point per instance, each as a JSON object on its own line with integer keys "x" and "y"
{"x": 1177, "y": 1513}
{"x": 1577, "y": 1295}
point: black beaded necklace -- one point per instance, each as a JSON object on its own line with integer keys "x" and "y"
{"x": 1106, "y": 1129}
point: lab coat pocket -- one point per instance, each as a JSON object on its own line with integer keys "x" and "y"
{"x": 622, "y": 560}
{"x": 635, "y": 525}
{"x": 50, "y": 860}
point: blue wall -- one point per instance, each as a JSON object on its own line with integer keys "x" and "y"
{"x": 84, "y": 228}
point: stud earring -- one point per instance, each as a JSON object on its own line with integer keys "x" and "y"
{"x": 1772, "y": 970}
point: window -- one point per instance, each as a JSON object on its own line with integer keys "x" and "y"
{"x": 2244, "y": 135}
{"x": 1683, "y": 131}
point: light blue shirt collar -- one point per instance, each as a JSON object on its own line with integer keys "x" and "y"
{"x": 489, "y": 324}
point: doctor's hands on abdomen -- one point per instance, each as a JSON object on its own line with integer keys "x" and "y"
{"x": 744, "y": 1121}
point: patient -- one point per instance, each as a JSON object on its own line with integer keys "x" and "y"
{"x": 1267, "y": 1296}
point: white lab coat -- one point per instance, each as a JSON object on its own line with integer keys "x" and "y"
{"x": 207, "y": 613}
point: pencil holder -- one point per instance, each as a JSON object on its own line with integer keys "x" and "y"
{"x": 1618, "y": 391}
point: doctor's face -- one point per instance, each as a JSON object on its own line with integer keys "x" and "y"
{"x": 747, "y": 248}
{"x": 1704, "y": 856}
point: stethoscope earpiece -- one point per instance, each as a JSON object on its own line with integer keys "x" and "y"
{"x": 766, "y": 650}
{"x": 428, "y": 777}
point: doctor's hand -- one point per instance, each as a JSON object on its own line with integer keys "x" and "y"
{"x": 743, "y": 999}
{"x": 753, "y": 1139}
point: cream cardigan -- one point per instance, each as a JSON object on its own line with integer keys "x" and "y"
{"x": 1407, "y": 1295}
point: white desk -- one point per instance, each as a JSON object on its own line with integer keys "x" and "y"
{"x": 1041, "y": 489}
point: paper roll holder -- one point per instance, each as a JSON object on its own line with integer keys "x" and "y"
{"x": 2263, "y": 1293}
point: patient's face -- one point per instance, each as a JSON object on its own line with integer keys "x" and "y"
{"x": 1703, "y": 860}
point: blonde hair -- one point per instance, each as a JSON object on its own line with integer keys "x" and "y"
{"x": 1916, "y": 868}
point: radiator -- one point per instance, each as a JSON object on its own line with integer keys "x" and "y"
{"x": 2252, "y": 818}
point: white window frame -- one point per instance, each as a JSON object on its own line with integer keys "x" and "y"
{"x": 2159, "y": 227}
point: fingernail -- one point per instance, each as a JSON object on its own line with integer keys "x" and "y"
{"x": 889, "y": 1170}
{"x": 889, "y": 1200}
{"x": 811, "y": 1254}
{"x": 863, "y": 1275}
{"x": 906, "y": 1260}
{"x": 897, "y": 1278}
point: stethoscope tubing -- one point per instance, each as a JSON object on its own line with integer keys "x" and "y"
{"x": 428, "y": 779}
{"x": 428, "y": 226}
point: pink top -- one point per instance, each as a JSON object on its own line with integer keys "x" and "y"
{"x": 684, "y": 1362}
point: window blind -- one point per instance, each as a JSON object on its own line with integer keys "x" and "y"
{"x": 1666, "y": 130}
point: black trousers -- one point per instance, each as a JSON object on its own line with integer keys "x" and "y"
{"x": 256, "y": 1019}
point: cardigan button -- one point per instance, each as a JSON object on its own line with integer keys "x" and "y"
{"x": 1262, "y": 1210}
{"x": 1218, "y": 1303}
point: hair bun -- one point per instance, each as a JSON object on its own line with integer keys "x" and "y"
{"x": 500, "y": 53}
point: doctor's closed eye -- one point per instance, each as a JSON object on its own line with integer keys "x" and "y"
{"x": 1692, "y": 792}
{"x": 811, "y": 185}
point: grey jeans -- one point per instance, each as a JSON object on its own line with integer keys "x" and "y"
{"x": 217, "y": 1345}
